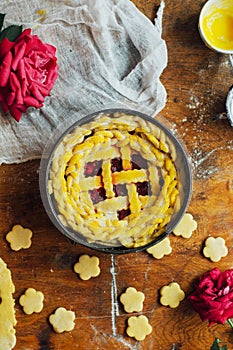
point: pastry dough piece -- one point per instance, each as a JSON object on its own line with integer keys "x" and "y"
{"x": 160, "y": 249}
{"x": 138, "y": 327}
{"x": 7, "y": 311}
{"x": 215, "y": 248}
{"x": 62, "y": 320}
{"x": 132, "y": 300}
{"x": 87, "y": 267}
{"x": 171, "y": 295}
{"x": 186, "y": 226}
{"x": 32, "y": 301}
{"x": 19, "y": 237}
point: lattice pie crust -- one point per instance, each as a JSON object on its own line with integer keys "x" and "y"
{"x": 114, "y": 180}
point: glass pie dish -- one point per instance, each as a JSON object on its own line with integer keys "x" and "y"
{"x": 117, "y": 181}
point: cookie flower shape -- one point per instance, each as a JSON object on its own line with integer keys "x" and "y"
{"x": 62, "y": 320}
{"x": 138, "y": 327}
{"x": 215, "y": 248}
{"x": 32, "y": 301}
{"x": 87, "y": 267}
{"x": 19, "y": 237}
{"x": 162, "y": 248}
{"x": 132, "y": 300}
{"x": 28, "y": 69}
{"x": 171, "y": 295}
{"x": 186, "y": 226}
{"x": 212, "y": 298}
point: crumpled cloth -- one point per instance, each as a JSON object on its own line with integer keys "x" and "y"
{"x": 109, "y": 55}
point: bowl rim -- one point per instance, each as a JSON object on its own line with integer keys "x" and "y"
{"x": 229, "y": 112}
{"x": 45, "y": 165}
{"x": 201, "y": 31}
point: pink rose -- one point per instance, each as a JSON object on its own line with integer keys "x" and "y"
{"x": 213, "y": 297}
{"x": 28, "y": 70}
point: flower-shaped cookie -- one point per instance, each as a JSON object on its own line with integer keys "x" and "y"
{"x": 132, "y": 300}
{"x": 162, "y": 248}
{"x": 19, "y": 237}
{"x": 62, "y": 320}
{"x": 87, "y": 267}
{"x": 32, "y": 301}
{"x": 215, "y": 248}
{"x": 171, "y": 295}
{"x": 138, "y": 327}
{"x": 186, "y": 226}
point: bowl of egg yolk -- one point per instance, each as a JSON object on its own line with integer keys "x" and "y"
{"x": 216, "y": 25}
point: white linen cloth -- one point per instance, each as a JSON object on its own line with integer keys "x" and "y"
{"x": 108, "y": 53}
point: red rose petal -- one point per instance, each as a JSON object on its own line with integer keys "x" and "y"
{"x": 28, "y": 71}
{"x": 213, "y": 297}
{"x": 19, "y": 54}
{"x": 25, "y": 35}
{"x": 35, "y": 91}
{"x": 16, "y": 111}
{"x": 32, "y": 102}
{"x": 11, "y": 98}
{"x": 5, "y": 69}
{"x": 5, "y": 47}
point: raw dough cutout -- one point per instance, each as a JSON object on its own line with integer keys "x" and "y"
{"x": 7, "y": 311}
{"x": 132, "y": 300}
{"x": 186, "y": 226}
{"x": 138, "y": 327}
{"x": 215, "y": 248}
{"x": 171, "y": 295}
{"x": 19, "y": 238}
{"x": 87, "y": 267}
{"x": 32, "y": 301}
{"x": 62, "y": 320}
{"x": 162, "y": 248}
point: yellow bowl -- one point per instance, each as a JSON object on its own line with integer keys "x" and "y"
{"x": 216, "y": 25}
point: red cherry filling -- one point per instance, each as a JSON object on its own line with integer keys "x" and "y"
{"x": 123, "y": 213}
{"x": 143, "y": 188}
{"x": 116, "y": 165}
{"x": 93, "y": 168}
{"x": 97, "y": 195}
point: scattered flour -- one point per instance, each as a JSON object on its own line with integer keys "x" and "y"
{"x": 115, "y": 306}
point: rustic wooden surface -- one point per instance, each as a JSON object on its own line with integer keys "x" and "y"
{"x": 197, "y": 81}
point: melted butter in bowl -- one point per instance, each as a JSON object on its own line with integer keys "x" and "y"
{"x": 216, "y": 25}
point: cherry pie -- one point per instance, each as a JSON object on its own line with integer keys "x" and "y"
{"x": 114, "y": 180}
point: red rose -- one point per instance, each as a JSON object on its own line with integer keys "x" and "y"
{"x": 28, "y": 70}
{"x": 213, "y": 297}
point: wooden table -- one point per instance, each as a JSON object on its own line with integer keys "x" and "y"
{"x": 197, "y": 81}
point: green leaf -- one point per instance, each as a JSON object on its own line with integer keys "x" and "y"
{"x": 11, "y": 33}
{"x": 2, "y": 16}
{"x": 216, "y": 346}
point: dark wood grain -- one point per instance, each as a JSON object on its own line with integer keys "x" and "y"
{"x": 197, "y": 80}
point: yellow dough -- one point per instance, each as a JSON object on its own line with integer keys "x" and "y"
{"x": 19, "y": 237}
{"x": 215, "y": 248}
{"x": 62, "y": 320}
{"x": 32, "y": 301}
{"x": 87, "y": 267}
{"x": 160, "y": 249}
{"x": 186, "y": 226}
{"x": 171, "y": 295}
{"x": 7, "y": 311}
{"x": 138, "y": 327}
{"x": 132, "y": 300}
